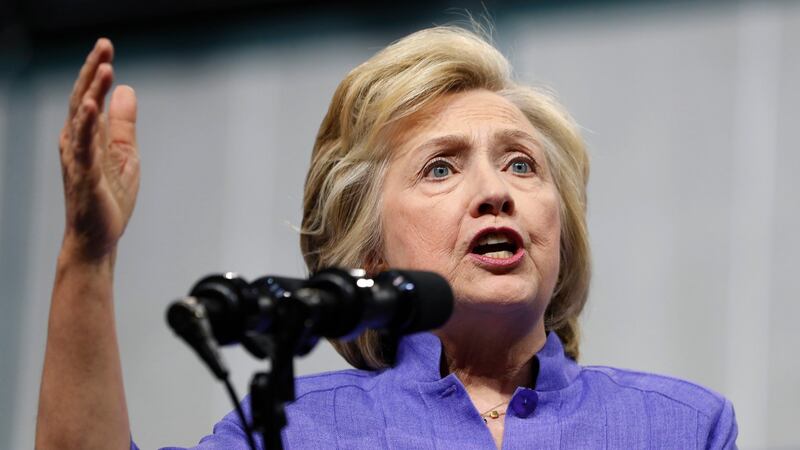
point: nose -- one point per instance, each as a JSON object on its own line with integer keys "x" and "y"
{"x": 492, "y": 195}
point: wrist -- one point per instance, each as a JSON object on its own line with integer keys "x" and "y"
{"x": 75, "y": 253}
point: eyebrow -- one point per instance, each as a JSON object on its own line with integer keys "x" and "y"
{"x": 451, "y": 141}
{"x": 460, "y": 142}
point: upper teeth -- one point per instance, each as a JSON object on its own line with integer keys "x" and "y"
{"x": 493, "y": 238}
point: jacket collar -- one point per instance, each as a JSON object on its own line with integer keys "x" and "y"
{"x": 419, "y": 356}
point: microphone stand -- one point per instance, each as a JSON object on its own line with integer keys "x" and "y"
{"x": 272, "y": 390}
{"x": 332, "y": 303}
{"x": 269, "y": 393}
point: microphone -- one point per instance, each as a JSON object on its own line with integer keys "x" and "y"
{"x": 343, "y": 304}
{"x": 224, "y": 309}
{"x": 334, "y": 303}
{"x": 189, "y": 320}
{"x": 280, "y": 317}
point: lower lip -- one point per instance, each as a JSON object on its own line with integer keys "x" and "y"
{"x": 499, "y": 263}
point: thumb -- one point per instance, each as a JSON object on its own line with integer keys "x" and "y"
{"x": 122, "y": 116}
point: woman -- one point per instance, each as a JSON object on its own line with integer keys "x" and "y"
{"x": 431, "y": 158}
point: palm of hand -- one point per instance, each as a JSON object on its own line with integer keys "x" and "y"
{"x": 99, "y": 158}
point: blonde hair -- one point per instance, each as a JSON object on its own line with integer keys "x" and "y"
{"x": 342, "y": 202}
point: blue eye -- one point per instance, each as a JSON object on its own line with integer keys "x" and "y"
{"x": 439, "y": 171}
{"x": 521, "y": 167}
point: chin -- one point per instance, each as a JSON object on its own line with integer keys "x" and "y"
{"x": 499, "y": 298}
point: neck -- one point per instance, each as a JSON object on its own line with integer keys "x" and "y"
{"x": 491, "y": 355}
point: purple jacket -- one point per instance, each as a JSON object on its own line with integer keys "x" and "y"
{"x": 410, "y": 406}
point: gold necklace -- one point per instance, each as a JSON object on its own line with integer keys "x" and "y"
{"x": 493, "y": 413}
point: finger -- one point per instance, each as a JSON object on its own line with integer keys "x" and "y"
{"x": 100, "y": 134}
{"x": 100, "y": 85}
{"x": 103, "y": 51}
{"x": 100, "y": 143}
{"x": 83, "y": 130}
{"x": 122, "y": 117}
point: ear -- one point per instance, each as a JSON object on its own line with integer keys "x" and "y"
{"x": 375, "y": 264}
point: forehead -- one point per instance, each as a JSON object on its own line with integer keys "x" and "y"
{"x": 469, "y": 113}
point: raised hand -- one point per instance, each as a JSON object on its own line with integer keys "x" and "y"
{"x": 99, "y": 159}
{"x": 82, "y": 398}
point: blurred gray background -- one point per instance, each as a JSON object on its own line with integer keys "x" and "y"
{"x": 690, "y": 111}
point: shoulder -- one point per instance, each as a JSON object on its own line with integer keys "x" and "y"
{"x": 322, "y": 393}
{"x": 328, "y": 382}
{"x": 325, "y": 402}
{"x": 672, "y": 390}
{"x": 667, "y": 400}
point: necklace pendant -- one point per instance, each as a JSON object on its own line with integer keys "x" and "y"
{"x": 494, "y": 414}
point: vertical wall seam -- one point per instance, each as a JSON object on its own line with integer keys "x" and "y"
{"x": 752, "y": 216}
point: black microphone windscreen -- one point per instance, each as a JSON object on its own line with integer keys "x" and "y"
{"x": 433, "y": 304}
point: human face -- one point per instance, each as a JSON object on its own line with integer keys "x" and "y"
{"x": 466, "y": 172}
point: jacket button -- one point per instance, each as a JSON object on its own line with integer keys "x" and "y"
{"x": 524, "y": 403}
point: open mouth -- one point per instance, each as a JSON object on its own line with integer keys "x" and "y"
{"x": 500, "y": 243}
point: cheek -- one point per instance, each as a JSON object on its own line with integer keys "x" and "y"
{"x": 552, "y": 220}
{"x": 418, "y": 234}
{"x": 546, "y": 234}
{"x": 541, "y": 216}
